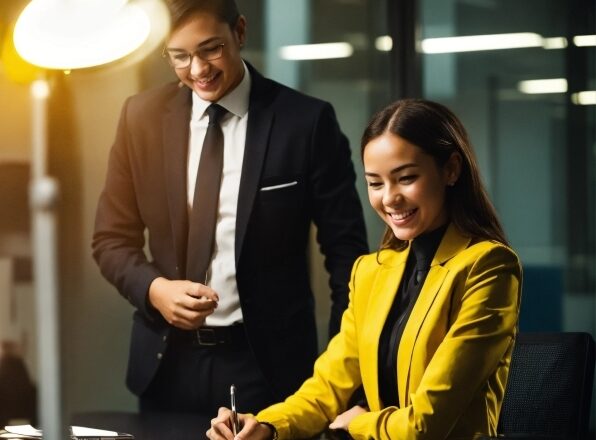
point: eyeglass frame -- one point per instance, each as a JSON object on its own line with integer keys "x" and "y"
{"x": 197, "y": 52}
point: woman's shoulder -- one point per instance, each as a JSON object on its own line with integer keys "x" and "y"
{"x": 379, "y": 260}
{"x": 487, "y": 253}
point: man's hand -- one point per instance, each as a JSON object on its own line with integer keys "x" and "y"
{"x": 251, "y": 429}
{"x": 182, "y": 303}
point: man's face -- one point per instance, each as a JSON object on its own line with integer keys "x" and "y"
{"x": 202, "y": 36}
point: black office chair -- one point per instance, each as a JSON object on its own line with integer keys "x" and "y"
{"x": 549, "y": 391}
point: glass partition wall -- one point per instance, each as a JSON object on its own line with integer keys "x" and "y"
{"x": 521, "y": 76}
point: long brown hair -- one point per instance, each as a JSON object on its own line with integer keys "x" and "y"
{"x": 439, "y": 133}
{"x": 182, "y": 10}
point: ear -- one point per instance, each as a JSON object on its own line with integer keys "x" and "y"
{"x": 452, "y": 168}
{"x": 240, "y": 30}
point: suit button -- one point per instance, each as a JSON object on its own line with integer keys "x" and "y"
{"x": 159, "y": 356}
{"x": 164, "y": 338}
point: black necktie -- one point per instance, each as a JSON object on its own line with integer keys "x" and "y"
{"x": 201, "y": 231}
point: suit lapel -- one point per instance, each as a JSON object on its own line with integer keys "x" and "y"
{"x": 451, "y": 244}
{"x": 385, "y": 288}
{"x": 175, "y": 137}
{"x": 260, "y": 120}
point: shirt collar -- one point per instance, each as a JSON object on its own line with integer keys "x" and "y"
{"x": 425, "y": 246}
{"x": 235, "y": 101}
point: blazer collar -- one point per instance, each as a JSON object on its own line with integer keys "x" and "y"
{"x": 176, "y": 123}
{"x": 260, "y": 121}
{"x": 385, "y": 288}
{"x": 175, "y": 135}
{"x": 453, "y": 242}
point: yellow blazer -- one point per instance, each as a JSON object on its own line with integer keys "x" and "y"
{"x": 453, "y": 358}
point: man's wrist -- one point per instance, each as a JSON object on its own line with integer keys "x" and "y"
{"x": 272, "y": 430}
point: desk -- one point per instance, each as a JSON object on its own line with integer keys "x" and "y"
{"x": 155, "y": 426}
{"x": 163, "y": 426}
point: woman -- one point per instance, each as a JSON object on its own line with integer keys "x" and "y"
{"x": 432, "y": 317}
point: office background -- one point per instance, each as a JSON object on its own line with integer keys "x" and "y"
{"x": 535, "y": 141}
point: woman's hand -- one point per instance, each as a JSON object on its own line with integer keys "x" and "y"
{"x": 343, "y": 420}
{"x": 251, "y": 429}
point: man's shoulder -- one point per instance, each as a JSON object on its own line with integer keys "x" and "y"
{"x": 283, "y": 95}
{"x": 157, "y": 95}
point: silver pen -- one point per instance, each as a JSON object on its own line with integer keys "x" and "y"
{"x": 235, "y": 424}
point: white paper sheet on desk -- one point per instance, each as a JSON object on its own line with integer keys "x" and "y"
{"x": 77, "y": 431}
{"x": 27, "y": 430}
{"x": 81, "y": 431}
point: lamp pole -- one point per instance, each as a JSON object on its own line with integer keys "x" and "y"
{"x": 43, "y": 199}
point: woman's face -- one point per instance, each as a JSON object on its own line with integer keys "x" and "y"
{"x": 406, "y": 187}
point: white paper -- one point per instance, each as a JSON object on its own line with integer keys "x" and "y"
{"x": 27, "y": 430}
{"x": 77, "y": 431}
{"x": 81, "y": 431}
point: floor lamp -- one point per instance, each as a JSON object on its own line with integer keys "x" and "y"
{"x": 66, "y": 35}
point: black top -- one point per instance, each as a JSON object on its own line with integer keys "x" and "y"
{"x": 417, "y": 266}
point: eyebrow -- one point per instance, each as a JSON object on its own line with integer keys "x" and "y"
{"x": 201, "y": 44}
{"x": 394, "y": 170}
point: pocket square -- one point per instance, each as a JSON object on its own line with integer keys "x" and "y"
{"x": 280, "y": 186}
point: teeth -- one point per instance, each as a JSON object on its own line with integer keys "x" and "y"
{"x": 206, "y": 80}
{"x": 402, "y": 215}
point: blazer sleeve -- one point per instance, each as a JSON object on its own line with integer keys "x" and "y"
{"x": 326, "y": 394}
{"x": 337, "y": 211}
{"x": 118, "y": 239}
{"x": 485, "y": 315}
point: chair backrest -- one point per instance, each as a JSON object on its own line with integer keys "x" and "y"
{"x": 549, "y": 390}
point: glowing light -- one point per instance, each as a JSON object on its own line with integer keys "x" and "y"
{"x": 40, "y": 89}
{"x": 472, "y": 43}
{"x": 584, "y": 40}
{"x": 555, "y": 43}
{"x": 316, "y": 51}
{"x": 587, "y": 97}
{"x": 71, "y": 34}
{"x": 536, "y": 86}
{"x": 384, "y": 43}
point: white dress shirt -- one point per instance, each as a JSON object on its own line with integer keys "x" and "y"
{"x": 221, "y": 274}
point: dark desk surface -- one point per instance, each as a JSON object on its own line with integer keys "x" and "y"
{"x": 157, "y": 426}
{"x": 163, "y": 426}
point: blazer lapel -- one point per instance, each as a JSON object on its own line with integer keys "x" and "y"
{"x": 451, "y": 244}
{"x": 260, "y": 120}
{"x": 385, "y": 289}
{"x": 176, "y": 123}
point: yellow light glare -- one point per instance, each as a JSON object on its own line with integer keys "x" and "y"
{"x": 40, "y": 89}
{"x": 75, "y": 34}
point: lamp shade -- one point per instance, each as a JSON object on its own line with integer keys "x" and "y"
{"x": 73, "y": 34}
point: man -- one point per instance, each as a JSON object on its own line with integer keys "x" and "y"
{"x": 246, "y": 316}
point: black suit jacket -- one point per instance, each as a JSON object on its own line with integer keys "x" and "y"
{"x": 290, "y": 137}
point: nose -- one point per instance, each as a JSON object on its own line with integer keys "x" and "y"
{"x": 391, "y": 195}
{"x": 197, "y": 65}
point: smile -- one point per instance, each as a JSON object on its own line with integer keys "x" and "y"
{"x": 206, "y": 80}
{"x": 398, "y": 216}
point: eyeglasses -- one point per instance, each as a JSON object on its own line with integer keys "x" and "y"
{"x": 180, "y": 59}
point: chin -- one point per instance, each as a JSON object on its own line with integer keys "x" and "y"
{"x": 405, "y": 234}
